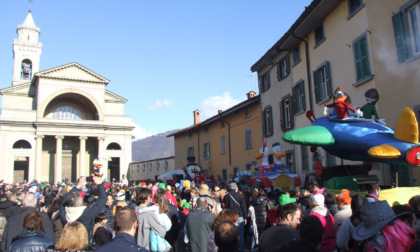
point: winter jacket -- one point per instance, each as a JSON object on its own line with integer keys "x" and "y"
{"x": 58, "y": 226}
{"x": 261, "y": 205}
{"x": 110, "y": 223}
{"x": 328, "y": 239}
{"x": 29, "y": 241}
{"x": 147, "y": 219}
{"x": 9, "y": 208}
{"x": 15, "y": 226}
{"x": 198, "y": 228}
{"x": 236, "y": 202}
{"x": 82, "y": 214}
{"x": 121, "y": 242}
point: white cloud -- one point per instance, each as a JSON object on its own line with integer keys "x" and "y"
{"x": 160, "y": 105}
{"x": 211, "y": 105}
{"x": 140, "y": 133}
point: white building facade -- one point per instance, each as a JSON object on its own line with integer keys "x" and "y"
{"x": 55, "y": 122}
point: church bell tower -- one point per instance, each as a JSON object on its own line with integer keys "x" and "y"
{"x": 26, "y": 51}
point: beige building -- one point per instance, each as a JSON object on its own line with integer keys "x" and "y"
{"x": 150, "y": 169}
{"x": 225, "y": 143}
{"x": 356, "y": 44}
{"x": 55, "y": 122}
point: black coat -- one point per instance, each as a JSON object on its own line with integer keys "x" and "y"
{"x": 15, "y": 226}
{"x": 9, "y": 208}
{"x": 261, "y": 205}
{"x": 236, "y": 202}
{"x": 29, "y": 241}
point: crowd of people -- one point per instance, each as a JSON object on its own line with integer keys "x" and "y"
{"x": 199, "y": 216}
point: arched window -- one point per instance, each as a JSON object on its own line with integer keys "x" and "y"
{"x": 113, "y": 146}
{"x": 26, "y": 70}
{"x": 66, "y": 112}
{"x": 22, "y": 144}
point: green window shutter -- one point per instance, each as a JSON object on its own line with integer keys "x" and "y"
{"x": 302, "y": 95}
{"x": 282, "y": 119}
{"x": 295, "y": 98}
{"x": 316, "y": 86}
{"x": 397, "y": 21}
{"x": 357, "y": 56}
{"x": 364, "y": 57}
{"x": 287, "y": 64}
{"x": 328, "y": 79}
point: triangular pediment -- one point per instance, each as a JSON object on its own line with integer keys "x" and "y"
{"x": 113, "y": 98}
{"x": 24, "y": 89}
{"x": 72, "y": 72}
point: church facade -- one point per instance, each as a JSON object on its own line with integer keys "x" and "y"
{"x": 55, "y": 122}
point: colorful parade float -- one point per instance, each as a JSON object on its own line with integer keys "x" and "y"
{"x": 362, "y": 139}
{"x": 271, "y": 176}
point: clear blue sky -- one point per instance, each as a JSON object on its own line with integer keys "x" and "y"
{"x": 167, "y": 58}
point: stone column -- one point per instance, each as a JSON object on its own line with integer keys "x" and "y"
{"x": 58, "y": 159}
{"x": 82, "y": 165}
{"x": 38, "y": 157}
{"x": 102, "y": 158}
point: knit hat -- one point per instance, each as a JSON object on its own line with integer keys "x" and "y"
{"x": 161, "y": 185}
{"x": 285, "y": 199}
{"x": 318, "y": 199}
{"x": 375, "y": 216}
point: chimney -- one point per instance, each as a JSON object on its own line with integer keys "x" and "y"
{"x": 196, "y": 116}
{"x": 219, "y": 111}
{"x": 250, "y": 94}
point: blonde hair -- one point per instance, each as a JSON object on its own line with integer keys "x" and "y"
{"x": 73, "y": 237}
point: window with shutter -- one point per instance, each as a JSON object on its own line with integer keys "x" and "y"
{"x": 361, "y": 58}
{"x": 322, "y": 83}
{"x": 407, "y": 31}
{"x": 354, "y": 6}
{"x": 298, "y": 98}
{"x": 265, "y": 82}
{"x": 283, "y": 68}
{"x": 223, "y": 144}
{"x": 248, "y": 139}
{"x": 268, "y": 121}
{"x": 286, "y": 113}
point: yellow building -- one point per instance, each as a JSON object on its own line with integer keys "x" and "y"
{"x": 354, "y": 44}
{"x": 225, "y": 143}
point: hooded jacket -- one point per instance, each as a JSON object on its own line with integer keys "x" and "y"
{"x": 83, "y": 214}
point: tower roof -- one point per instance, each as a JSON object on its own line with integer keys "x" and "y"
{"x": 29, "y": 23}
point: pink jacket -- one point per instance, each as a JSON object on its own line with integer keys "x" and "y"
{"x": 329, "y": 242}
